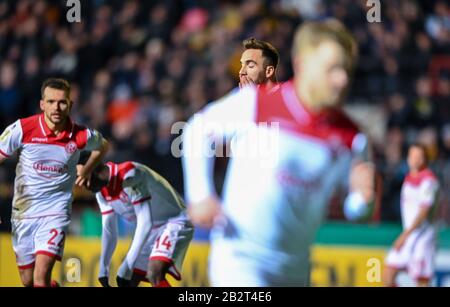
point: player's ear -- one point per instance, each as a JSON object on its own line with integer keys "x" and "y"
{"x": 270, "y": 71}
{"x": 41, "y": 104}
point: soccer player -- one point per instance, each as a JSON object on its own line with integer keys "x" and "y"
{"x": 415, "y": 248}
{"x": 274, "y": 200}
{"x": 259, "y": 63}
{"x": 49, "y": 146}
{"x": 163, "y": 230}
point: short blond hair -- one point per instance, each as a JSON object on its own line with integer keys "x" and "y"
{"x": 312, "y": 33}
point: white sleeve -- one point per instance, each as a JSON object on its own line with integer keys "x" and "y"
{"x": 354, "y": 205}
{"x": 141, "y": 234}
{"x": 94, "y": 140}
{"x": 361, "y": 150}
{"x": 109, "y": 242}
{"x": 11, "y": 139}
{"x": 428, "y": 191}
{"x": 218, "y": 123}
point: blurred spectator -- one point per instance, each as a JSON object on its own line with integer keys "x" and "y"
{"x": 438, "y": 23}
{"x": 9, "y": 91}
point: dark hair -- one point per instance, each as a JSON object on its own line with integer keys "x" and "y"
{"x": 269, "y": 52}
{"x": 56, "y": 83}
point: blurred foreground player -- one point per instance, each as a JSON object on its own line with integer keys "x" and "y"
{"x": 415, "y": 248}
{"x": 163, "y": 231}
{"x": 274, "y": 201}
{"x": 49, "y": 146}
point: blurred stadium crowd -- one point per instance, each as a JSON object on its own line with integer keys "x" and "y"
{"x": 137, "y": 67}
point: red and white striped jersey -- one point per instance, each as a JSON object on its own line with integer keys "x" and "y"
{"x": 132, "y": 184}
{"x": 46, "y": 170}
{"x": 418, "y": 191}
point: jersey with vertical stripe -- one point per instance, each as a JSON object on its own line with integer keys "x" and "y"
{"x": 131, "y": 184}
{"x": 46, "y": 168}
{"x": 418, "y": 191}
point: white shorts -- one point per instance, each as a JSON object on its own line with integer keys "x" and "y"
{"x": 33, "y": 236}
{"x": 417, "y": 254}
{"x": 167, "y": 243}
{"x": 232, "y": 266}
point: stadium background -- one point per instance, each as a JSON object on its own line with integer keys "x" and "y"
{"x": 137, "y": 67}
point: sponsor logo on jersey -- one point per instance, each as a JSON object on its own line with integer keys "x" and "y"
{"x": 288, "y": 179}
{"x": 39, "y": 140}
{"x": 50, "y": 168}
{"x": 71, "y": 147}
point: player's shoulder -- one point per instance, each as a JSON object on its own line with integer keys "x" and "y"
{"x": 343, "y": 126}
{"x": 32, "y": 127}
{"x": 80, "y": 134}
{"x": 126, "y": 166}
{"x": 30, "y": 123}
{"x": 429, "y": 176}
{"x": 339, "y": 119}
{"x": 127, "y": 170}
{"x": 426, "y": 176}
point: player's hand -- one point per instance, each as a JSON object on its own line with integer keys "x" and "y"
{"x": 400, "y": 241}
{"x": 79, "y": 168}
{"x": 83, "y": 179}
{"x": 362, "y": 180}
{"x": 245, "y": 81}
{"x": 122, "y": 282}
{"x": 104, "y": 281}
{"x": 205, "y": 212}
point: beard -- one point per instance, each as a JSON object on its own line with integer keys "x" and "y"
{"x": 260, "y": 78}
{"x": 57, "y": 119}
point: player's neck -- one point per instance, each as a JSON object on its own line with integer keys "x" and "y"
{"x": 270, "y": 84}
{"x": 55, "y": 128}
{"x": 417, "y": 171}
{"x": 304, "y": 97}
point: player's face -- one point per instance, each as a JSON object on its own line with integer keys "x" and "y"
{"x": 324, "y": 73}
{"x": 416, "y": 159}
{"x": 252, "y": 66}
{"x": 55, "y": 105}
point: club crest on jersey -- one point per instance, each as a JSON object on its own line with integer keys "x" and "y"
{"x": 50, "y": 168}
{"x": 71, "y": 147}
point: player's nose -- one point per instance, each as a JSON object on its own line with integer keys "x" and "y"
{"x": 242, "y": 71}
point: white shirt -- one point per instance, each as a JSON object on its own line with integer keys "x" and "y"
{"x": 139, "y": 195}
{"x": 132, "y": 184}
{"x": 46, "y": 170}
{"x": 274, "y": 197}
{"x": 418, "y": 191}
